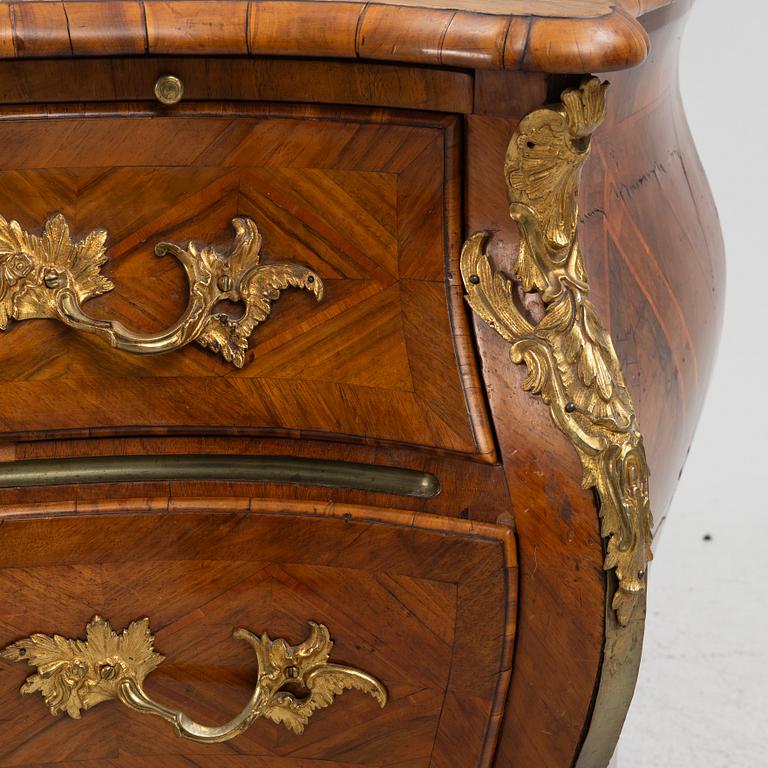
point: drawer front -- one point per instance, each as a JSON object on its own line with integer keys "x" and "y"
{"x": 423, "y": 604}
{"x": 368, "y": 202}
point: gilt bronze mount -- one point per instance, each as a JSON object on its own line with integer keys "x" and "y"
{"x": 76, "y": 675}
{"x": 569, "y": 354}
{"x": 573, "y": 366}
{"x": 50, "y": 276}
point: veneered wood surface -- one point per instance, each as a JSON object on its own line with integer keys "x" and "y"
{"x": 424, "y": 604}
{"x": 540, "y": 35}
{"x": 654, "y": 255}
{"x": 469, "y": 489}
{"x": 651, "y": 242}
{"x": 369, "y": 203}
{"x": 562, "y": 585}
{"x": 650, "y": 226}
{"x": 218, "y": 79}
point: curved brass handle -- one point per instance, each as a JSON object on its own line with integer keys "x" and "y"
{"x": 75, "y": 675}
{"x": 50, "y": 276}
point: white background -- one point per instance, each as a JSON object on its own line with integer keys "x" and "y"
{"x": 702, "y": 696}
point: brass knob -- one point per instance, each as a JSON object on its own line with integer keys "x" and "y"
{"x": 169, "y": 89}
{"x": 66, "y": 668}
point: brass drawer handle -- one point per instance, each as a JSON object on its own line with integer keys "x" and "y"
{"x": 75, "y": 675}
{"x": 50, "y": 276}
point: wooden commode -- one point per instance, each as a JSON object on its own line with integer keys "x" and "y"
{"x": 350, "y": 356}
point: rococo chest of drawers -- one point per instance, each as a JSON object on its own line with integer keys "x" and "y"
{"x": 339, "y": 343}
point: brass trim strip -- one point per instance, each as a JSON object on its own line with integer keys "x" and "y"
{"x": 618, "y": 676}
{"x": 254, "y": 469}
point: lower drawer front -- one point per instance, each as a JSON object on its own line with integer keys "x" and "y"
{"x": 422, "y": 604}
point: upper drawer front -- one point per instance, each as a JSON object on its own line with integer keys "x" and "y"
{"x": 367, "y": 202}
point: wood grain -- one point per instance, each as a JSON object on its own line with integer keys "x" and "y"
{"x": 481, "y": 34}
{"x": 660, "y": 227}
{"x": 389, "y": 370}
{"x": 406, "y": 598}
{"x": 653, "y": 251}
{"x": 359, "y": 202}
{"x": 213, "y": 79}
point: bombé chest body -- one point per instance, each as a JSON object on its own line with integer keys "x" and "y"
{"x": 354, "y": 329}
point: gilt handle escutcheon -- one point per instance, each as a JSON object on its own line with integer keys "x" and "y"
{"x": 50, "y": 276}
{"x": 75, "y": 675}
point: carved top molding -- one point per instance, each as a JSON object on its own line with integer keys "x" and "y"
{"x": 535, "y": 35}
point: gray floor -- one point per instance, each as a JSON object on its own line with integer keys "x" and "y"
{"x": 702, "y": 697}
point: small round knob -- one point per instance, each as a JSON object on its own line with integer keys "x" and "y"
{"x": 169, "y": 89}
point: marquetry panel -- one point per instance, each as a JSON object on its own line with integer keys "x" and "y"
{"x": 367, "y": 202}
{"x": 426, "y": 605}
